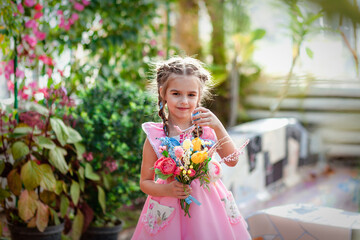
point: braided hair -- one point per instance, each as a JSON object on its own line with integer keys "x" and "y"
{"x": 182, "y": 67}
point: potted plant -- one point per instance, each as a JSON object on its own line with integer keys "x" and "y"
{"x": 42, "y": 162}
{"x": 109, "y": 119}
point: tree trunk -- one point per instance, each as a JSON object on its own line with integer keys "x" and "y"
{"x": 187, "y": 28}
{"x": 234, "y": 94}
{"x": 216, "y": 11}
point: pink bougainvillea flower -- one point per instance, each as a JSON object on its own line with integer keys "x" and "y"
{"x": 38, "y": 15}
{"x": 10, "y": 85}
{"x": 60, "y": 12}
{"x": 29, "y": 3}
{"x": 61, "y": 72}
{"x": 67, "y": 26}
{"x": 49, "y": 72}
{"x": 85, "y": 2}
{"x": 46, "y": 60}
{"x": 111, "y": 165}
{"x": 40, "y": 35}
{"x": 33, "y": 84}
{"x": 101, "y": 21}
{"x": 71, "y": 21}
{"x": 30, "y": 40}
{"x": 75, "y": 17}
{"x": 161, "y": 53}
{"x": 62, "y": 22}
{"x": 19, "y": 73}
{"x": 19, "y": 48}
{"x": 31, "y": 24}
{"x": 38, "y": 7}
{"x": 22, "y": 93}
{"x": 78, "y": 6}
{"x": 153, "y": 42}
{"x": 88, "y": 156}
{"x": 9, "y": 67}
{"x": 44, "y": 91}
{"x": 20, "y": 8}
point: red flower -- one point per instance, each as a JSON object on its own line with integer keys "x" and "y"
{"x": 177, "y": 171}
{"x": 165, "y": 165}
{"x": 38, "y": 7}
{"x": 192, "y": 172}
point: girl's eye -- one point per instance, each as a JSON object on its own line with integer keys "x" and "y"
{"x": 192, "y": 95}
{"x": 175, "y": 93}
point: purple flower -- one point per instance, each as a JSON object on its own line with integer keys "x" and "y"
{"x": 85, "y": 2}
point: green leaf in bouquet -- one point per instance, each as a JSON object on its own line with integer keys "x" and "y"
{"x": 48, "y": 180}
{"x": 56, "y": 158}
{"x": 90, "y": 174}
{"x": 44, "y": 142}
{"x": 101, "y": 198}
{"x": 73, "y": 136}
{"x": 54, "y": 216}
{"x": 60, "y": 129}
{"x": 106, "y": 179}
{"x": 161, "y": 175}
{"x": 19, "y": 150}
{"x": 75, "y": 192}
{"x": 31, "y": 175}
{"x": 165, "y": 153}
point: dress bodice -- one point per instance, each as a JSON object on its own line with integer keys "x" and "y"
{"x": 154, "y": 131}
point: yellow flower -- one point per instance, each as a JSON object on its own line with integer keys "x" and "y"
{"x": 187, "y": 144}
{"x": 196, "y": 144}
{"x": 189, "y": 171}
{"x": 191, "y": 166}
{"x": 199, "y": 157}
{"x": 184, "y": 171}
{"x": 181, "y": 167}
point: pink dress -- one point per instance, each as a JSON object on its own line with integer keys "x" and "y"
{"x": 216, "y": 218}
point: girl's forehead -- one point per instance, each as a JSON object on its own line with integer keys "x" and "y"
{"x": 184, "y": 83}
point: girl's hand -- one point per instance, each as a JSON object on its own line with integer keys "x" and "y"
{"x": 205, "y": 117}
{"x": 179, "y": 190}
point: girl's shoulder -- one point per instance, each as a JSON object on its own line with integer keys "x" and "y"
{"x": 153, "y": 130}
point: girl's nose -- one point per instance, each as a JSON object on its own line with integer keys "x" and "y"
{"x": 184, "y": 100}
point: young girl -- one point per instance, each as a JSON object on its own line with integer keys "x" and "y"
{"x": 181, "y": 85}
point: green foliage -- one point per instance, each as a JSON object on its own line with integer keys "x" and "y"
{"x": 42, "y": 165}
{"x": 118, "y": 39}
{"x": 109, "y": 118}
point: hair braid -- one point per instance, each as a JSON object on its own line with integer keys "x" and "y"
{"x": 163, "y": 116}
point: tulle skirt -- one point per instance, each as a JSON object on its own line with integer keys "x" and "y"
{"x": 216, "y": 218}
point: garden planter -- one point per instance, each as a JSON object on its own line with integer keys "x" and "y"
{"x": 102, "y": 233}
{"x": 24, "y": 233}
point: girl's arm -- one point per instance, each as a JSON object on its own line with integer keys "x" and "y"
{"x": 207, "y": 118}
{"x": 147, "y": 183}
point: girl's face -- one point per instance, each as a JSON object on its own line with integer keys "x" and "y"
{"x": 182, "y": 96}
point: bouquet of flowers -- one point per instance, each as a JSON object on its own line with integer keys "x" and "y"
{"x": 186, "y": 162}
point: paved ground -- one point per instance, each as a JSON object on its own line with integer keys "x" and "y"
{"x": 336, "y": 186}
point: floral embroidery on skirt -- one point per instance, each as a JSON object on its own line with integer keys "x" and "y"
{"x": 232, "y": 210}
{"x": 157, "y": 216}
